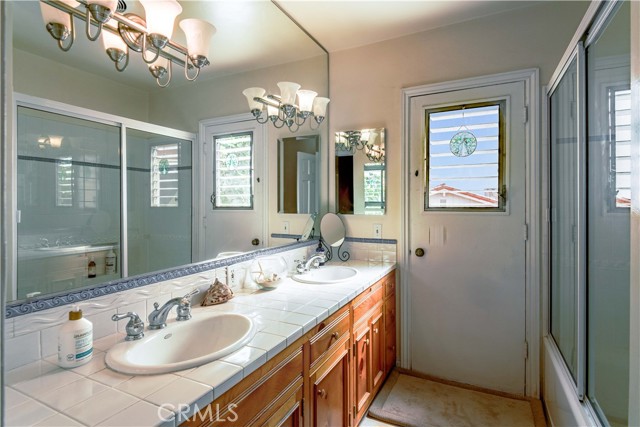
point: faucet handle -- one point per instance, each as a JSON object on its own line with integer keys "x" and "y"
{"x": 184, "y": 308}
{"x": 135, "y": 326}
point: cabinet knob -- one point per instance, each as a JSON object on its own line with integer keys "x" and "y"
{"x": 322, "y": 393}
{"x": 335, "y": 335}
{"x": 375, "y": 330}
{"x": 366, "y": 341}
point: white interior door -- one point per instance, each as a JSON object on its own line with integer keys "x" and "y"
{"x": 306, "y": 187}
{"x": 234, "y": 187}
{"x": 467, "y": 291}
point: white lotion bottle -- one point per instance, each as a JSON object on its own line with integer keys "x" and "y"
{"x": 75, "y": 340}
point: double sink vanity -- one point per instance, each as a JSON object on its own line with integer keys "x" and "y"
{"x": 313, "y": 351}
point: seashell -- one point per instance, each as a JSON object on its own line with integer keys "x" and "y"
{"x": 217, "y": 293}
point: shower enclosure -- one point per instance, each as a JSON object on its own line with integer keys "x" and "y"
{"x": 98, "y": 198}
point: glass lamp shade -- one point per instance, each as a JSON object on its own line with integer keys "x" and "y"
{"x": 52, "y": 15}
{"x": 272, "y": 111}
{"x": 161, "y": 15}
{"x": 55, "y": 141}
{"x": 320, "y": 106}
{"x": 112, "y": 5}
{"x": 288, "y": 92}
{"x": 251, "y": 93}
{"x": 199, "y": 35}
{"x": 305, "y": 100}
{"x": 111, "y": 40}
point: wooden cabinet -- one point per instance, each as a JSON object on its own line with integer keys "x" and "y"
{"x": 328, "y": 377}
{"x": 329, "y": 394}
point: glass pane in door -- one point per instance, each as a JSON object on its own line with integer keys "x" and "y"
{"x": 158, "y": 201}
{"x": 564, "y": 217}
{"x": 608, "y": 275}
{"x": 68, "y": 193}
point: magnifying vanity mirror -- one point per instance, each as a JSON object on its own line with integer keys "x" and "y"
{"x": 332, "y": 230}
{"x": 360, "y": 159}
{"x": 307, "y": 231}
{"x": 299, "y": 174}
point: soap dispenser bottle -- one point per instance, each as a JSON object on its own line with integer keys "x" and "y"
{"x": 75, "y": 340}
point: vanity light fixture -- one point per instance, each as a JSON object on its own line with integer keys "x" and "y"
{"x": 352, "y": 140}
{"x": 125, "y": 32}
{"x": 282, "y": 109}
{"x": 50, "y": 141}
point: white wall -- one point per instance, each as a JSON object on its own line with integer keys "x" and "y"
{"x": 366, "y": 82}
{"x": 41, "y": 77}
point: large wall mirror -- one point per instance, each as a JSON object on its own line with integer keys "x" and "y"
{"x": 299, "y": 174}
{"x": 360, "y": 157}
{"x": 247, "y": 51}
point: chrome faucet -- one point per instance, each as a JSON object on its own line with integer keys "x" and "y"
{"x": 158, "y": 317}
{"x": 313, "y": 262}
{"x": 135, "y": 326}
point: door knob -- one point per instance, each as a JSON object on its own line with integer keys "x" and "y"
{"x": 255, "y": 242}
{"x": 419, "y": 252}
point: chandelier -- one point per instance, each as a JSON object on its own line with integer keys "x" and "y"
{"x": 282, "y": 109}
{"x": 124, "y": 32}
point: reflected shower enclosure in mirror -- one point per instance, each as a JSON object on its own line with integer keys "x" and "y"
{"x": 299, "y": 174}
{"x": 360, "y": 157}
{"x": 69, "y": 196}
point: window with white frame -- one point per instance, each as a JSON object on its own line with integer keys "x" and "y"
{"x": 165, "y": 159}
{"x": 233, "y": 171}
{"x": 374, "y": 194}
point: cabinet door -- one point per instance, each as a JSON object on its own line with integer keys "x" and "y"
{"x": 289, "y": 414}
{"x": 330, "y": 391}
{"x": 390, "y": 333}
{"x": 362, "y": 367}
{"x": 377, "y": 350}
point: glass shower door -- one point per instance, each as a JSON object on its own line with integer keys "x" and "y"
{"x": 68, "y": 198}
{"x": 158, "y": 201}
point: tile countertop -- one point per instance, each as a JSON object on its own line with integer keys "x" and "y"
{"x": 42, "y": 394}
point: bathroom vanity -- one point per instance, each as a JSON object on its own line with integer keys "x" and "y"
{"x": 329, "y": 376}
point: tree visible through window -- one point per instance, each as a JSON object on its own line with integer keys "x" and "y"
{"x": 374, "y": 194}
{"x": 463, "y": 157}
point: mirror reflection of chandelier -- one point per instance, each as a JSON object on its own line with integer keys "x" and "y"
{"x": 151, "y": 38}
{"x": 369, "y": 141}
{"x": 282, "y": 109}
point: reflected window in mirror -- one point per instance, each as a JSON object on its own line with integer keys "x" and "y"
{"x": 233, "y": 172}
{"x": 298, "y": 174}
{"x": 164, "y": 175}
{"x": 360, "y": 162}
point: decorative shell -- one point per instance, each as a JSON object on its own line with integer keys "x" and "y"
{"x": 217, "y": 294}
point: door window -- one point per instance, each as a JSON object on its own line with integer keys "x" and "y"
{"x": 464, "y": 157}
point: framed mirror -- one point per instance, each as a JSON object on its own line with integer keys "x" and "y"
{"x": 299, "y": 174}
{"x": 360, "y": 165}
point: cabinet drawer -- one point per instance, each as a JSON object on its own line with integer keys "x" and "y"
{"x": 367, "y": 300}
{"x": 328, "y": 336}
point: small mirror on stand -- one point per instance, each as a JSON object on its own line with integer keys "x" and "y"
{"x": 307, "y": 231}
{"x": 332, "y": 234}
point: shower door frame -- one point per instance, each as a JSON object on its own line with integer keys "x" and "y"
{"x": 123, "y": 123}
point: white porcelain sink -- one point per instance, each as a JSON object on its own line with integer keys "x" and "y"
{"x": 327, "y": 275}
{"x": 182, "y": 345}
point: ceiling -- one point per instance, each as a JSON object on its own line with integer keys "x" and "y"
{"x": 254, "y": 34}
{"x": 339, "y": 25}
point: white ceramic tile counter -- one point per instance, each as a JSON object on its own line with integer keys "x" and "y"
{"x": 43, "y": 394}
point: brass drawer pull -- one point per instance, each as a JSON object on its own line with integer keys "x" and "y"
{"x": 335, "y": 335}
{"x": 322, "y": 393}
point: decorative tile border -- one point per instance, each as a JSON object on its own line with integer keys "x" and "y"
{"x": 115, "y": 286}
